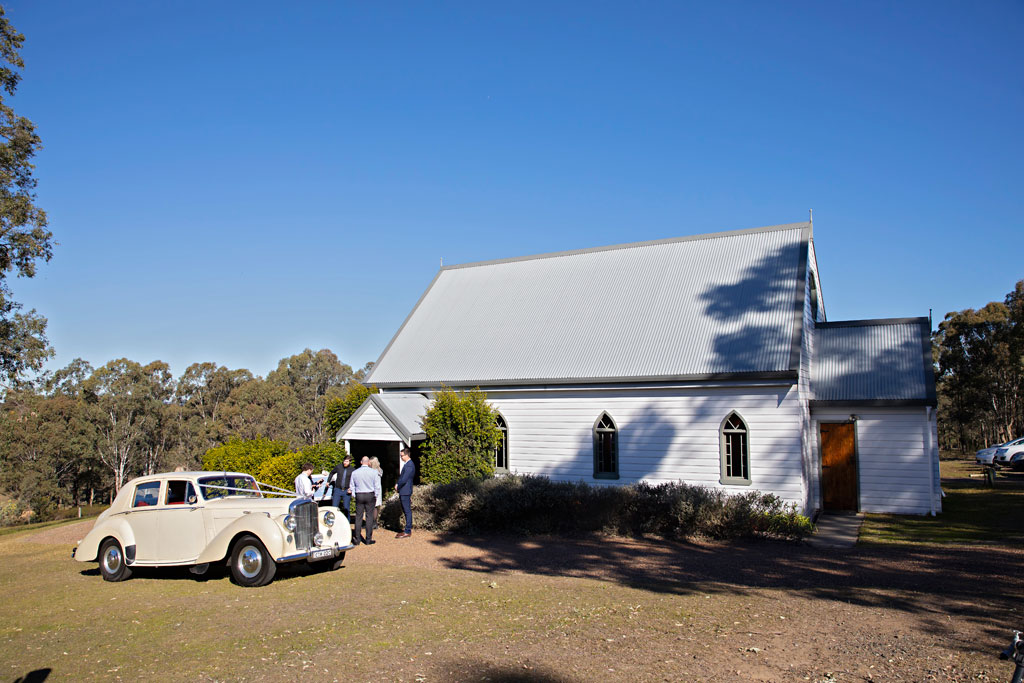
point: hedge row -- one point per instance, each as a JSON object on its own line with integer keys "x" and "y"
{"x": 531, "y": 505}
{"x": 269, "y": 461}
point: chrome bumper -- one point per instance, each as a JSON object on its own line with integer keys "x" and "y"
{"x": 308, "y": 554}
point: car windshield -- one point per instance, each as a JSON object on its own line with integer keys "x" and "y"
{"x": 221, "y": 486}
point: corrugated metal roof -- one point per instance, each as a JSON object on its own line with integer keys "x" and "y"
{"x": 402, "y": 411}
{"x": 407, "y": 409}
{"x": 707, "y": 305}
{"x": 873, "y": 360}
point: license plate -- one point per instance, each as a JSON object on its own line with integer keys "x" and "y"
{"x": 321, "y": 554}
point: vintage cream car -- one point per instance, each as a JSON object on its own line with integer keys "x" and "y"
{"x": 199, "y": 518}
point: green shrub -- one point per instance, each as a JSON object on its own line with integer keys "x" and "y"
{"x": 12, "y": 512}
{"x": 281, "y": 470}
{"x": 462, "y": 433}
{"x": 339, "y": 409}
{"x": 239, "y": 455}
{"x": 530, "y": 505}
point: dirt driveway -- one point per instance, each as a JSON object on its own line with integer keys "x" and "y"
{"x": 556, "y": 609}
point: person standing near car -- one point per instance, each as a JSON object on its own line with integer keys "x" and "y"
{"x": 341, "y": 479}
{"x": 375, "y": 466}
{"x": 304, "y": 485}
{"x": 366, "y": 488}
{"x": 406, "y": 472}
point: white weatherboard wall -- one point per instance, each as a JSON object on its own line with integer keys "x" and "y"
{"x": 812, "y": 487}
{"x": 371, "y": 426}
{"x": 664, "y": 435}
{"x": 896, "y": 457}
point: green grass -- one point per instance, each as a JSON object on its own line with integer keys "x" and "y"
{"x": 365, "y": 623}
{"x": 398, "y": 621}
{"x": 17, "y": 528}
{"x": 972, "y": 513}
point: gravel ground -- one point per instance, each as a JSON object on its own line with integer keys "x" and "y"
{"x": 762, "y": 611}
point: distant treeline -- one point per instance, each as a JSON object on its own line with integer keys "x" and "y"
{"x": 979, "y": 358}
{"x": 76, "y": 435}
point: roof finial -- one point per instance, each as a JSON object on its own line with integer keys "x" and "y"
{"x": 442, "y": 261}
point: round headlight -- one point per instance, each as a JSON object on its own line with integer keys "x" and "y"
{"x": 318, "y": 538}
{"x": 329, "y": 518}
{"x": 289, "y": 523}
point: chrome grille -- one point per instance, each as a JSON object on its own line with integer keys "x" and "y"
{"x": 305, "y": 514}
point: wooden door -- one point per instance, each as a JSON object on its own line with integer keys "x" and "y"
{"x": 838, "y": 466}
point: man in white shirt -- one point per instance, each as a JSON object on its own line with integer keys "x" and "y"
{"x": 366, "y": 489}
{"x": 304, "y": 483}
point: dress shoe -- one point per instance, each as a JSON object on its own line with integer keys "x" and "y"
{"x": 403, "y": 535}
{"x": 370, "y": 542}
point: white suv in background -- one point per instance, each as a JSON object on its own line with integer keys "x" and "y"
{"x": 985, "y": 455}
{"x": 1017, "y": 462}
{"x": 1005, "y": 453}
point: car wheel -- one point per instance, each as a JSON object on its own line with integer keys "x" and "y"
{"x": 113, "y": 566}
{"x": 251, "y": 564}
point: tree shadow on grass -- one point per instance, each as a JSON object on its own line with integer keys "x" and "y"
{"x": 981, "y": 586}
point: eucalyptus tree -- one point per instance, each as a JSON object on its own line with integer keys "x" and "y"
{"x": 339, "y": 409}
{"x": 24, "y": 238}
{"x": 47, "y": 447}
{"x": 261, "y": 409}
{"x": 980, "y": 359}
{"x": 128, "y": 402}
{"x": 201, "y": 393}
{"x": 313, "y": 376}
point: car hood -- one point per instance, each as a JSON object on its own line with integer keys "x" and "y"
{"x": 238, "y": 504}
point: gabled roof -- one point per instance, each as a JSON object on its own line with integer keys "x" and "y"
{"x": 402, "y": 412}
{"x": 873, "y": 362}
{"x": 721, "y": 305}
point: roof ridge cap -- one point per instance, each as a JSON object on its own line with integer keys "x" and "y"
{"x": 633, "y": 245}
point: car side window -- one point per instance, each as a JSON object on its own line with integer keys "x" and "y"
{"x": 213, "y": 487}
{"x": 180, "y": 493}
{"x": 146, "y": 494}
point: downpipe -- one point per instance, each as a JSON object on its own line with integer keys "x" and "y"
{"x": 1016, "y": 653}
{"x": 932, "y": 464}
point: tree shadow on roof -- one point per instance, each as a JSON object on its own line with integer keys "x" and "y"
{"x": 754, "y": 314}
{"x": 863, "y": 372}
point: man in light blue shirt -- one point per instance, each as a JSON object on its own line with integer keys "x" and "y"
{"x": 366, "y": 489}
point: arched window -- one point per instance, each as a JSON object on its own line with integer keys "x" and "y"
{"x": 501, "y": 450}
{"x": 735, "y": 454}
{"x": 606, "y": 448}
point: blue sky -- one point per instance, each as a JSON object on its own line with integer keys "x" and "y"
{"x": 236, "y": 181}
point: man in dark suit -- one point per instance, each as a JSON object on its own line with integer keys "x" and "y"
{"x": 341, "y": 479}
{"x": 404, "y": 489}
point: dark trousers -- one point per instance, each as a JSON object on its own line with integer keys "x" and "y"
{"x": 407, "y": 509}
{"x": 365, "y": 502}
{"x": 341, "y": 499}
